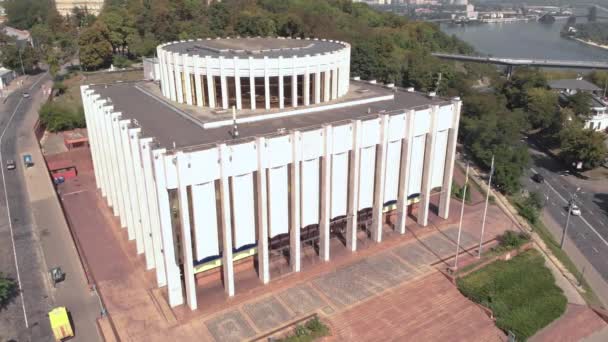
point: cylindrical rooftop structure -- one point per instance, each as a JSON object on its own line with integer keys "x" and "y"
{"x": 254, "y": 73}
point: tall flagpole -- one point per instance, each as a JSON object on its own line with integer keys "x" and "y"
{"x": 485, "y": 209}
{"x": 464, "y": 196}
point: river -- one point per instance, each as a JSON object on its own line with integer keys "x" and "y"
{"x": 525, "y": 40}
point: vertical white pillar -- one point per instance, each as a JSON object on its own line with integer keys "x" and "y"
{"x": 226, "y": 224}
{"x": 266, "y": 84}
{"x": 121, "y": 186}
{"x": 295, "y": 219}
{"x": 317, "y": 81}
{"x": 334, "y": 82}
{"x": 108, "y": 156}
{"x": 325, "y": 193}
{"x": 307, "y": 83}
{"x": 404, "y": 175}
{"x": 377, "y": 218}
{"x": 198, "y": 85}
{"x": 172, "y": 88}
{"x": 223, "y": 85}
{"x": 353, "y": 185}
{"x": 133, "y": 200}
{"x": 326, "y": 84}
{"x": 183, "y": 168}
{"x": 237, "y": 84}
{"x": 252, "y": 83}
{"x": 210, "y": 82}
{"x": 281, "y": 85}
{"x": 174, "y": 283}
{"x": 294, "y": 83}
{"x": 446, "y": 187}
{"x": 263, "y": 258}
{"x": 162, "y": 62}
{"x": 152, "y": 204}
{"x": 186, "y": 61}
{"x": 178, "y": 78}
{"x": 427, "y": 170}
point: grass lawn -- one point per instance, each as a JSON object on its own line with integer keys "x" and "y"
{"x": 521, "y": 292}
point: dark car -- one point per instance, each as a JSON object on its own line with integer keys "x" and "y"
{"x": 538, "y": 178}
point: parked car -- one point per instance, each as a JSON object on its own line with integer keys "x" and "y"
{"x": 27, "y": 160}
{"x": 575, "y": 210}
{"x": 10, "y": 165}
{"x": 538, "y": 178}
{"x": 26, "y": 95}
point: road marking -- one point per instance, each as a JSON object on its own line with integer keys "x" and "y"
{"x": 8, "y": 208}
{"x": 595, "y": 249}
{"x": 591, "y": 212}
{"x": 602, "y": 223}
{"x": 582, "y": 218}
{"x": 561, "y": 213}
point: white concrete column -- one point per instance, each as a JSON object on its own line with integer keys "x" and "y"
{"x": 252, "y": 83}
{"x": 334, "y": 83}
{"x": 99, "y": 116}
{"x": 186, "y": 62}
{"x": 108, "y": 157}
{"x": 317, "y": 87}
{"x": 121, "y": 183}
{"x": 183, "y": 166}
{"x": 446, "y": 187}
{"x": 353, "y": 186}
{"x": 133, "y": 203}
{"x": 262, "y": 209}
{"x": 404, "y": 175}
{"x": 152, "y": 206}
{"x": 92, "y": 126}
{"x": 162, "y": 65}
{"x": 294, "y": 203}
{"x": 294, "y": 83}
{"x": 226, "y": 224}
{"x": 174, "y": 283}
{"x": 210, "y": 82}
{"x": 198, "y": 85}
{"x": 142, "y": 198}
{"x": 427, "y": 170}
{"x": 307, "y": 83}
{"x": 326, "y": 85}
{"x": 171, "y": 77}
{"x": 237, "y": 84}
{"x": 281, "y": 84}
{"x": 324, "y": 235}
{"x": 178, "y": 78}
{"x": 128, "y": 183}
{"x": 379, "y": 180}
{"x": 223, "y": 85}
{"x": 266, "y": 84}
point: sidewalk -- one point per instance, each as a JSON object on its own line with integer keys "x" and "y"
{"x": 54, "y": 234}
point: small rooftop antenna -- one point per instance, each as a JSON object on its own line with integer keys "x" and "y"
{"x": 235, "y": 128}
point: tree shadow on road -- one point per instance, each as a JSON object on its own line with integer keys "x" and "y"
{"x": 8, "y": 291}
{"x": 601, "y": 200}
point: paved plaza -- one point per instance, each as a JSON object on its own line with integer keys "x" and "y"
{"x": 350, "y": 284}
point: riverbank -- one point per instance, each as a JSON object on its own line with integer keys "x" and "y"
{"x": 590, "y": 43}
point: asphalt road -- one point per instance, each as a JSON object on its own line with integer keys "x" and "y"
{"x": 23, "y": 260}
{"x": 589, "y": 232}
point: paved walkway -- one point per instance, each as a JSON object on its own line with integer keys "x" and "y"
{"x": 576, "y": 324}
{"x": 140, "y": 312}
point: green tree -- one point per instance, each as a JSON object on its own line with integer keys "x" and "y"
{"x": 580, "y": 103}
{"x": 120, "y": 25}
{"x": 23, "y": 14}
{"x": 57, "y": 117}
{"x": 8, "y": 290}
{"x": 95, "y": 47}
{"x": 250, "y": 24}
{"x": 582, "y": 145}
{"x": 542, "y": 107}
{"x": 12, "y": 56}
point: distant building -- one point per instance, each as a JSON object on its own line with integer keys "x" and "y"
{"x": 21, "y": 36}
{"x": 598, "y": 119}
{"x": 65, "y": 7}
{"x": 6, "y": 76}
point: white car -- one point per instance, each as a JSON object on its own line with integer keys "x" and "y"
{"x": 575, "y": 210}
{"x": 10, "y": 165}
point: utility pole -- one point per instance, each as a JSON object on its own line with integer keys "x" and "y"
{"x": 485, "y": 209}
{"x": 570, "y": 206}
{"x": 21, "y": 60}
{"x": 464, "y": 196}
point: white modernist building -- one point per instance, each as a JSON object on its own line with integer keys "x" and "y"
{"x": 197, "y": 198}
{"x": 251, "y": 73}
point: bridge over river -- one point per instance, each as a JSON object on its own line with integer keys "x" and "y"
{"x": 513, "y": 62}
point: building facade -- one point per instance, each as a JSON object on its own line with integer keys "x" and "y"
{"x": 196, "y": 197}
{"x": 65, "y": 7}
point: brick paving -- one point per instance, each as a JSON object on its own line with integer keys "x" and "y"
{"x": 351, "y": 282}
{"x": 577, "y": 323}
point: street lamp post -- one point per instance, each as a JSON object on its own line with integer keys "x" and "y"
{"x": 21, "y": 61}
{"x": 485, "y": 209}
{"x": 570, "y": 206}
{"x": 464, "y": 196}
